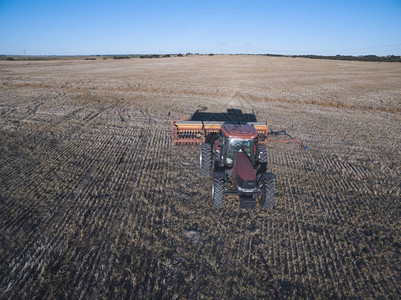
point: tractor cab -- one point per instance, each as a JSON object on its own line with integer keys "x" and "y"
{"x": 235, "y": 145}
{"x": 238, "y": 138}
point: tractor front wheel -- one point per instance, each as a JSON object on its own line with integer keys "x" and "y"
{"x": 205, "y": 160}
{"x": 266, "y": 198}
{"x": 217, "y": 192}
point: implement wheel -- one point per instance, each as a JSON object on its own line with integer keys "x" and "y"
{"x": 205, "y": 159}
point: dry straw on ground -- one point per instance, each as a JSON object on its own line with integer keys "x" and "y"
{"x": 96, "y": 202}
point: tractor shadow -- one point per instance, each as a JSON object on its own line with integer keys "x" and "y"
{"x": 232, "y": 116}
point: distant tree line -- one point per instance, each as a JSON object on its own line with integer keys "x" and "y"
{"x": 154, "y": 56}
{"x": 122, "y": 57}
{"x": 389, "y": 58}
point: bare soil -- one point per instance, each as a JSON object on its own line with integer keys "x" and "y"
{"x": 96, "y": 202}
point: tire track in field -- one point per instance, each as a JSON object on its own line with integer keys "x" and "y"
{"x": 33, "y": 170}
{"x": 75, "y": 131}
{"x": 111, "y": 217}
{"x": 50, "y": 221}
{"x": 324, "y": 245}
{"x": 28, "y": 245}
{"x": 285, "y": 208}
{"x": 313, "y": 243}
{"x": 332, "y": 210}
{"x": 147, "y": 217}
{"x": 369, "y": 212}
{"x": 108, "y": 206}
{"x": 42, "y": 142}
{"x": 64, "y": 157}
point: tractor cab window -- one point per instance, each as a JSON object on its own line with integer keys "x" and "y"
{"x": 238, "y": 145}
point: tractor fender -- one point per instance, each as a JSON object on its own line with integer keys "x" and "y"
{"x": 268, "y": 176}
{"x": 219, "y": 175}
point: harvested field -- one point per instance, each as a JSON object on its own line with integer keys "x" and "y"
{"x": 96, "y": 202}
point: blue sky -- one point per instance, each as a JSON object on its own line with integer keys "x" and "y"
{"x": 72, "y": 27}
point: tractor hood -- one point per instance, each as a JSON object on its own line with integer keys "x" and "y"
{"x": 244, "y": 173}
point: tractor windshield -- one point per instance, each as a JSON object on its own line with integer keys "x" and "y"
{"x": 238, "y": 145}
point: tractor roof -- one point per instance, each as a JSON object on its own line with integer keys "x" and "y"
{"x": 239, "y": 131}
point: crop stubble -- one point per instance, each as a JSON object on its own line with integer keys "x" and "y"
{"x": 97, "y": 202}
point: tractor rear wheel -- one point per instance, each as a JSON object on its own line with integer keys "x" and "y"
{"x": 266, "y": 198}
{"x": 205, "y": 159}
{"x": 217, "y": 192}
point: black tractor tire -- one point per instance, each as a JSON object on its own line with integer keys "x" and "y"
{"x": 262, "y": 154}
{"x": 217, "y": 192}
{"x": 266, "y": 198}
{"x": 205, "y": 160}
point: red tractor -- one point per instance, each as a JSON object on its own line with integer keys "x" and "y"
{"x": 234, "y": 154}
